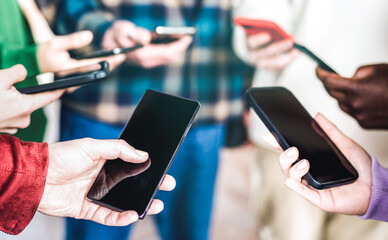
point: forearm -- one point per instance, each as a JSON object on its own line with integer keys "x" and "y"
{"x": 23, "y": 170}
{"x": 378, "y": 203}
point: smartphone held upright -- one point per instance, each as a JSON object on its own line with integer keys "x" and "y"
{"x": 158, "y": 126}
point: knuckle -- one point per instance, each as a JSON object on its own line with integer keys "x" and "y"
{"x": 25, "y": 122}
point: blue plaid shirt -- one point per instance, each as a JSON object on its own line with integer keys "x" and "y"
{"x": 211, "y": 73}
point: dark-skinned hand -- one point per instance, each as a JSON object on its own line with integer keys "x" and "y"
{"x": 363, "y": 96}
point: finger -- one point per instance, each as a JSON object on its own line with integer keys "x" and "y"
{"x": 156, "y": 207}
{"x": 168, "y": 183}
{"x": 112, "y": 149}
{"x": 270, "y": 139}
{"x": 299, "y": 170}
{"x": 16, "y": 122}
{"x": 278, "y": 62}
{"x": 12, "y": 75}
{"x": 339, "y": 95}
{"x": 364, "y": 71}
{"x": 345, "y": 107}
{"x": 287, "y": 158}
{"x": 142, "y": 36}
{"x": 333, "y": 81}
{"x": 123, "y": 40}
{"x": 306, "y": 192}
{"x": 39, "y": 100}
{"x": 72, "y": 41}
{"x": 256, "y": 41}
{"x": 8, "y": 130}
{"x": 115, "y": 61}
{"x": 109, "y": 217}
{"x": 274, "y": 49}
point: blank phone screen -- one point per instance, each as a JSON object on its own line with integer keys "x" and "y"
{"x": 285, "y": 114}
{"x": 157, "y": 126}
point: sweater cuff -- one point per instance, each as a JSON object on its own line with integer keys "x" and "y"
{"x": 378, "y": 203}
{"x": 23, "y": 172}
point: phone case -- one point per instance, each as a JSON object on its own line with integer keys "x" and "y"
{"x": 254, "y": 26}
{"x": 71, "y": 81}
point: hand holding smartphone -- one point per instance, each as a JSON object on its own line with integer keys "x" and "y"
{"x": 291, "y": 125}
{"x": 254, "y": 26}
{"x": 158, "y": 126}
{"x": 70, "y": 78}
{"x": 105, "y": 52}
{"x": 168, "y": 34}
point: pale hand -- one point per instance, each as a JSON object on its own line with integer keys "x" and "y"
{"x": 15, "y": 107}
{"x": 270, "y": 56}
{"x": 125, "y": 34}
{"x": 346, "y": 199}
{"x": 74, "y": 165}
{"x": 53, "y": 56}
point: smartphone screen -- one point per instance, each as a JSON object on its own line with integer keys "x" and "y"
{"x": 65, "y": 79}
{"x": 291, "y": 125}
{"x": 158, "y": 126}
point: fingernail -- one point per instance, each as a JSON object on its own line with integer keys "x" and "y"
{"x": 301, "y": 165}
{"x": 291, "y": 152}
{"x": 141, "y": 153}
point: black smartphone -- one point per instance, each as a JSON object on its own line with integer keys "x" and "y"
{"x": 292, "y": 125}
{"x": 104, "y": 52}
{"x": 158, "y": 126}
{"x": 168, "y": 34}
{"x": 314, "y": 57}
{"x": 68, "y": 78}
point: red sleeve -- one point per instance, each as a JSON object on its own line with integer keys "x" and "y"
{"x": 23, "y": 169}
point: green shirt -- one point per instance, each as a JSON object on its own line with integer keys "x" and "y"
{"x": 18, "y": 47}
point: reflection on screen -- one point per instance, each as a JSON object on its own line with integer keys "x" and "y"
{"x": 157, "y": 127}
{"x": 300, "y": 130}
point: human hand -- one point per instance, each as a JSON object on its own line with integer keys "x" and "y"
{"x": 346, "y": 199}
{"x": 15, "y": 107}
{"x": 124, "y": 34}
{"x": 74, "y": 165}
{"x": 154, "y": 55}
{"x": 53, "y": 56}
{"x": 363, "y": 96}
{"x": 272, "y": 56}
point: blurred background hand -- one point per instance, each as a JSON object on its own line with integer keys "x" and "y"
{"x": 125, "y": 34}
{"x": 53, "y": 56}
{"x": 272, "y": 56}
{"x": 16, "y": 108}
{"x": 363, "y": 96}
